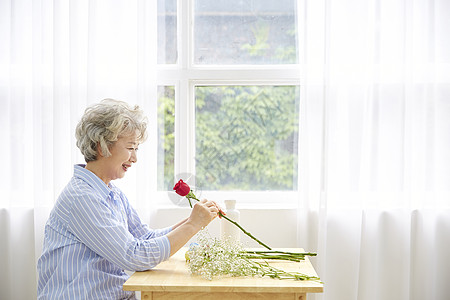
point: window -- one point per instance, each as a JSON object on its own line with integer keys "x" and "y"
{"x": 228, "y": 98}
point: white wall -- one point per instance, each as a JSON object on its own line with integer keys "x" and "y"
{"x": 275, "y": 227}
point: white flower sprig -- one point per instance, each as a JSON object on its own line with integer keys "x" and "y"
{"x": 211, "y": 258}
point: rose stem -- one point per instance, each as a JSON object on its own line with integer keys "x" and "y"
{"x": 190, "y": 195}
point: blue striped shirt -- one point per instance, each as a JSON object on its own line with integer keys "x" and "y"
{"x": 91, "y": 237}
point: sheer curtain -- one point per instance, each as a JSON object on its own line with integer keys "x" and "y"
{"x": 56, "y": 57}
{"x": 375, "y": 169}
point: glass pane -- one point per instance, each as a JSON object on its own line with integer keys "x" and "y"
{"x": 167, "y": 31}
{"x": 166, "y": 139}
{"x": 245, "y": 32}
{"x": 247, "y": 137}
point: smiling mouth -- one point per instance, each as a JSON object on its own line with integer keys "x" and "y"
{"x": 125, "y": 167}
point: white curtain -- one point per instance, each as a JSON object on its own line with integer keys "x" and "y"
{"x": 56, "y": 57}
{"x": 375, "y": 144}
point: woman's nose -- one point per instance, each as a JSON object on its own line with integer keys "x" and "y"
{"x": 133, "y": 157}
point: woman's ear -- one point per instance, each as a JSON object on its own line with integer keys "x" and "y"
{"x": 99, "y": 150}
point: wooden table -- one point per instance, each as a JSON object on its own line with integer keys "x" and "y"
{"x": 171, "y": 280}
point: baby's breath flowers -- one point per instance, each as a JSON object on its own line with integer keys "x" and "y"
{"x": 212, "y": 257}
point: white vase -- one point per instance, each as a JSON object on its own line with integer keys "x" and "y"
{"x": 229, "y": 231}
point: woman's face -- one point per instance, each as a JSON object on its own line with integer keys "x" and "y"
{"x": 123, "y": 155}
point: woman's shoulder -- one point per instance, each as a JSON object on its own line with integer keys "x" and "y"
{"x": 78, "y": 191}
{"x": 72, "y": 193}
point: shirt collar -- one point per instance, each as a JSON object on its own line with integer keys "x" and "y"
{"x": 91, "y": 179}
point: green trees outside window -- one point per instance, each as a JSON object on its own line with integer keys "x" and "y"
{"x": 245, "y": 137}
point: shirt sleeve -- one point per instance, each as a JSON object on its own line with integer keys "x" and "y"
{"x": 141, "y": 230}
{"x": 94, "y": 224}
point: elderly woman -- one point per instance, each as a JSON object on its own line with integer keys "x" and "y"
{"x": 93, "y": 234}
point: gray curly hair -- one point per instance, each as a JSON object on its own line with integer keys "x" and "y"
{"x": 103, "y": 123}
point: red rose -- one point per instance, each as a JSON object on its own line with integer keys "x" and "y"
{"x": 181, "y": 188}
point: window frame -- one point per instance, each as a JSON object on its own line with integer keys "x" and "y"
{"x": 185, "y": 76}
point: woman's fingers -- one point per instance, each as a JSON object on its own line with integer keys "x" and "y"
{"x": 210, "y": 207}
{"x": 220, "y": 212}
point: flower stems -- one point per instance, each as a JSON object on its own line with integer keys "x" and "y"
{"x": 244, "y": 231}
{"x": 279, "y": 255}
{"x": 192, "y": 196}
{"x": 283, "y": 252}
{"x": 264, "y": 269}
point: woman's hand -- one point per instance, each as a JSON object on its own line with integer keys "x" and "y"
{"x": 203, "y": 213}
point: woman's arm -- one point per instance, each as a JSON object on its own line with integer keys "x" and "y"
{"x": 94, "y": 224}
{"x": 179, "y": 224}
